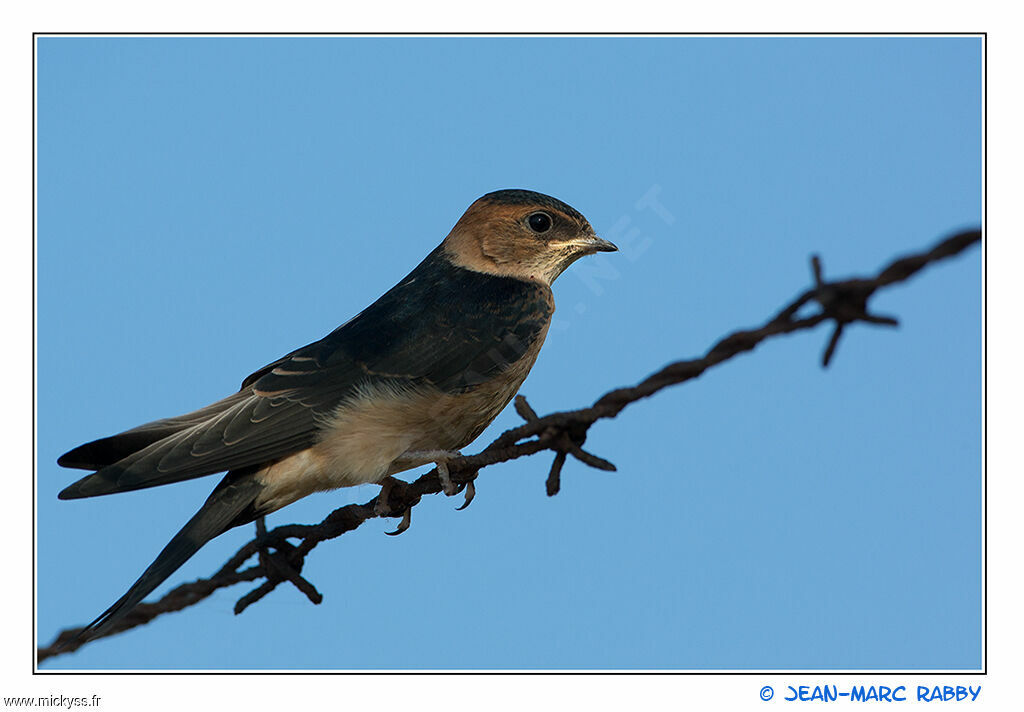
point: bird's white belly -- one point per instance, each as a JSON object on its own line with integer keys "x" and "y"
{"x": 367, "y": 434}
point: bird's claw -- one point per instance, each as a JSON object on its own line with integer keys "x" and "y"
{"x": 404, "y": 524}
{"x": 470, "y": 494}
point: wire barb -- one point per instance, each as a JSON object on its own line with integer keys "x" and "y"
{"x": 284, "y": 563}
{"x": 844, "y": 302}
{"x": 523, "y": 408}
{"x": 554, "y": 481}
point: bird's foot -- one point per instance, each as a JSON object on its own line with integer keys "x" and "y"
{"x": 382, "y": 508}
{"x": 440, "y": 459}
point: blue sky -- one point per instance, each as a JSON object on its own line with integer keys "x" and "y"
{"x": 207, "y": 205}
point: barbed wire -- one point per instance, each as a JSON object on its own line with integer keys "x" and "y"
{"x": 278, "y": 560}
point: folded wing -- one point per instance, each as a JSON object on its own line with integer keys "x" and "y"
{"x": 442, "y": 326}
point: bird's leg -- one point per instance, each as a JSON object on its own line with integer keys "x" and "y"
{"x": 440, "y": 459}
{"x": 449, "y": 487}
{"x": 382, "y": 508}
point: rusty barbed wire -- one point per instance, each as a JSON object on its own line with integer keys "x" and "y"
{"x": 278, "y": 560}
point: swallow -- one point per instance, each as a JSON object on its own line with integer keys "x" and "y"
{"x": 409, "y": 381}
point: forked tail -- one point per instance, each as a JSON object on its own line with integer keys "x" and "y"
{"x": 222, "y": 511}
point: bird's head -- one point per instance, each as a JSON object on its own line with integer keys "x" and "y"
{"x": 522, "y": 234}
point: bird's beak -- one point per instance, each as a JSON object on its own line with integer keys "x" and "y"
{"x": 593, "y": 243}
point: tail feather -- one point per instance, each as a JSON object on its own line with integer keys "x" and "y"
{"x": 229, "y": 505}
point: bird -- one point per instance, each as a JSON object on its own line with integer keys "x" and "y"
{"x": 407, "y": 382}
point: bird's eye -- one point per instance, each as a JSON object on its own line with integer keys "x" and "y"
{"x": 539, "y": 222}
